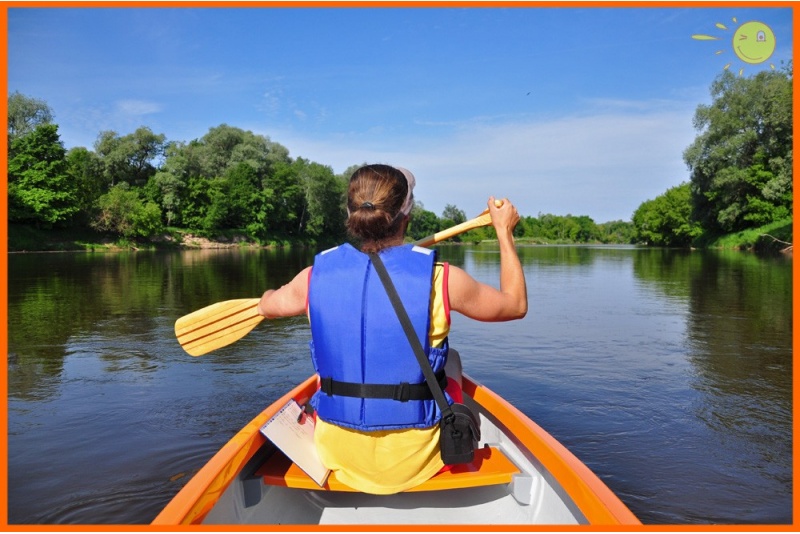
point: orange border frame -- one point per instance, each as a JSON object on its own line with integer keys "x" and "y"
{"x": 4, "y": 271}
{"x": 5, "y": 5}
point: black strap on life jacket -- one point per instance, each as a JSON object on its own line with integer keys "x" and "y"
{"x": 401, "y": 392}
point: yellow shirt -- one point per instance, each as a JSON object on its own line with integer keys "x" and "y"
{"x": 389, "y": 461}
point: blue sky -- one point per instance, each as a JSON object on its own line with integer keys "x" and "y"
{"x": 564, "y": 110}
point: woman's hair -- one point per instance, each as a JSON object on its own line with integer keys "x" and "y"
{"x": 375, "y": 200}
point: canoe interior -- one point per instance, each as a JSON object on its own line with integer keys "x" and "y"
{"x": 552, "y": 488}
{"x": 249, "y": 501}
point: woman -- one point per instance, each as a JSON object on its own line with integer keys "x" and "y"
{"x": 377, "y": 424}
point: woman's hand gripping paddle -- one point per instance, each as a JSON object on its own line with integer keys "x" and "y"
{"x": 223, "y": 323}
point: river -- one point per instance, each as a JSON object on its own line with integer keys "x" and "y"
{"x": 668, "y": 372}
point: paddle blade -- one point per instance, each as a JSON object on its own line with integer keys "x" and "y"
{"x": 217, "y": 325}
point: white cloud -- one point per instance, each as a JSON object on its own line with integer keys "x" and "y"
{"x": 137, "y": 108}
{"x": 603, "y": 164}
{"x": 270, "y": 102}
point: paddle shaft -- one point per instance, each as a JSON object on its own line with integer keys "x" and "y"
{"x": 483, "y": 219}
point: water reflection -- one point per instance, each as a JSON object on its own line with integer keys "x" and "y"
{"x": 668, "y": 372}
{"x": 739, "y": 326}
{"x": 739, "y": 332}
{"x": 66, "y": 300}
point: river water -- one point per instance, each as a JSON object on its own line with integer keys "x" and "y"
{"x": 669, "y": 373}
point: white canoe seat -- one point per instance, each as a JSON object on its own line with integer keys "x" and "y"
{"x": 489, "y": 467}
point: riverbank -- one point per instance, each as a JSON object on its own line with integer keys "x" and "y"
{"x": 772, "y": 238}
{"x": 23, "y": 238}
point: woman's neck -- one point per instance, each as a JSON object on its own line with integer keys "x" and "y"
{"x": 377, "y": 246}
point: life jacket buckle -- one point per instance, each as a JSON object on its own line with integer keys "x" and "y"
{"x": 402, "y": 392}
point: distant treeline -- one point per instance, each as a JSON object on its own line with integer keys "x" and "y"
{"x": 139, "y": 185}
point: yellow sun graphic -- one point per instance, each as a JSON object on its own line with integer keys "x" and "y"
{"x": 753, "y": 42}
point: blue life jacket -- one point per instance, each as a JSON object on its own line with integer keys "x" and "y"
{"x": 370, "y": 378}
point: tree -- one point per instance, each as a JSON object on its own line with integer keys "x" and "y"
{"x": 740, "y": 161}
{"x": 586, "y": 230}
{"x": 423, "y": 222}
{"x": 325, "y": 200}
{"x": 217, "y": 211}
{"x": 197, "y": 201}
{"x": 224, "y": 147}
{"x": 165, "y": 189}
{"x": 170, "y": 185}
{"x": 551, "y": 228}
{"x": 453, "y": 214}
{"x": 40, "y": 189}
{"x": 129, "y": 158}
{"x": 229, "y": 178}
{"x": 86, "y": 171}
{"x": 616, "y": 232}
{"x": 123, "y": 212}
{"x": 25, "y": 114}
{"x": 236, "y": 202}
{"x": 183, "y": 160}
{"x": 667, "y": 219}
{"x": 286, "y": 198}
{"x": 245, "y": 200}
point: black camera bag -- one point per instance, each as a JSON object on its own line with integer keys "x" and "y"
{"x": 459, "y": 434}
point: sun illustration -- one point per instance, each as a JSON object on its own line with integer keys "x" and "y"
{"x": 753, "y": 42}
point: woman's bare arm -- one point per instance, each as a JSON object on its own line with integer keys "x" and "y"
{"x": 481, "y": 301}
{"x": 287, "y": 301}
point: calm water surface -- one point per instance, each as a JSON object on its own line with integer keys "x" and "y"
{"x": 669, "y": 373}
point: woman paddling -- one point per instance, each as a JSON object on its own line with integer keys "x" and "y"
{"x": 388, "y": 442}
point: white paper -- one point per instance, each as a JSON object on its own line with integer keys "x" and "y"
{"x": 296, "y": 439}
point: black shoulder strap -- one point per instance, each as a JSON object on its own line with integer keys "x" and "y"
{"x": 408, "y": 328}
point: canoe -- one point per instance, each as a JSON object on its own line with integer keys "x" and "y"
{"x": 520, "y": 475}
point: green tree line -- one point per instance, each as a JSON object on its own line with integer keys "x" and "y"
{"x": 740, "y": 165}
{"x": 139, "y": 185}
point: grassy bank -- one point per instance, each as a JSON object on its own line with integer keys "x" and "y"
{"x": 23, "y": 238}
{"x": 774, "y": 237}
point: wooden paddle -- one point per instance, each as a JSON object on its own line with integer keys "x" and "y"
{"x": 483, "y": 219}
{"x": 223, "y": 323}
